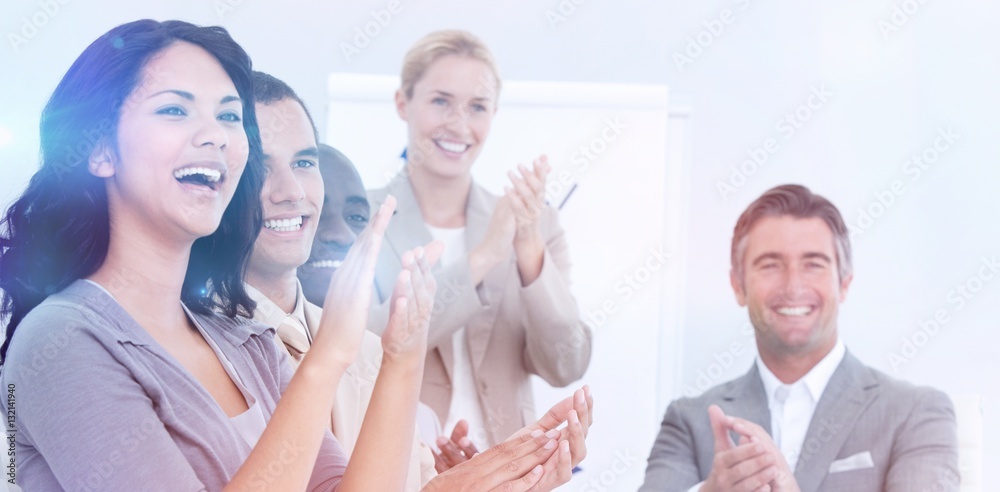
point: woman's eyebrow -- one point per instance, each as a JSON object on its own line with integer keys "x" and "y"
{"x": 184, "y": 94}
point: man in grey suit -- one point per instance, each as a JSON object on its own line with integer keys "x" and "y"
{"x": 808, "y": 416}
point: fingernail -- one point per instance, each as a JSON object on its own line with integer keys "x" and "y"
{"x": 551, "y": 444}
{"x": 586, "y": 389}
{"x": 573, "y": 417}
{"x": 537, "y": 433}
{"x": 465, "y": 442}
{"x": 441, "y": 441}
{"x": 552, "y": 434}
{"x": 537, "y": 470}
{"x": 580, "y": 399}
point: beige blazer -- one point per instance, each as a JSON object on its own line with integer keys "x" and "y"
{"x": 511, "y": 331}
{"x": 355, "y": 390}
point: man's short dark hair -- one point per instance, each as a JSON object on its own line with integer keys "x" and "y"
{"x": 269, "y": 90}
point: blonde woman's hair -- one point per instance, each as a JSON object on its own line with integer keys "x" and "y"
{"x": 439, "y": 44}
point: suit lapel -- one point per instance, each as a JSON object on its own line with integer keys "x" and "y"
{"x": 748, "y": 400}
{"x": 478, "y": 213}
{"x": 850, "y": 391}
{"x": 406, "y": 231}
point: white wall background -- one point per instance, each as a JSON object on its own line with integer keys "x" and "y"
{"x": 890, "y": 97}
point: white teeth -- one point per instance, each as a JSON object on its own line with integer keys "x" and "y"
{"x": 211, "y": 175}
{"x": 284, "y": 225}
{"x": 326, "y": 264}
{"x": 794, "y": 311}
{"x": 451, "y": 146}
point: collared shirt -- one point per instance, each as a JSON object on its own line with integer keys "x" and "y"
{"x": 792, "y": 405}
{"x": 292, "y": 327}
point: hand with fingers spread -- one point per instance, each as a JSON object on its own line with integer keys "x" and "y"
{"x": 456, "y": 449}
{"x": 345, "y": 309}
{"x": 527, "y": 201}
{"x": 527, "y": 197}
{"x": 747, "y": 467}
{"x": 515, "y": 465}
{"x": 578, "y": 413}
{"x": 497, "y": 244}
{"x": 565, "y": 448}
{"x": 405, "y": 337}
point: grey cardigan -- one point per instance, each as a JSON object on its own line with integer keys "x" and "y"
{"x": 94, "y": 403}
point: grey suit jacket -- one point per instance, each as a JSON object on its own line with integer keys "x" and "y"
{"x": 511, "y": 331}
{"x": 909, "y": 431}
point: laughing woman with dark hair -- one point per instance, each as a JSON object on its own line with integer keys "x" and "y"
{"x": 136, "y": 229}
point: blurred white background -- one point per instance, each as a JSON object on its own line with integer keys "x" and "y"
{"x": 893, "y": 74}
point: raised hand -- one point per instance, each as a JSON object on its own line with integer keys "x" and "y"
{"x": 527, "y": 196}
{"x": 784, "y": 480}
{"x": 412, "y": 301}
{"x": 527, "y": 200}
{"x": 747, "y": 467}
{"x": 345, "y": 309}
{"x": 496, "y": 245}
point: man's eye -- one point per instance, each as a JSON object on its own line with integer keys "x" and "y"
{"x": 306, "y": 163}
{"x": 361, "y": 219}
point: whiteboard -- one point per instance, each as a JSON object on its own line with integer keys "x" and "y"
{"x": 624, "y": 216}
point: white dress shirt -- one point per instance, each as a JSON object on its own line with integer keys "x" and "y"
{"x": 465, "y": 402}
{"x": 792, "y": 405}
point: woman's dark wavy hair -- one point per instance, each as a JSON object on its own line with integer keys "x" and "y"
{"x": 58, "y": 230}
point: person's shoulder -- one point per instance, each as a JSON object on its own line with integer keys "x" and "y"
{"x": 377, "y": 195}
{"x": 67, "y": 313}
{"x": 64, "y": 332}
{"x": 906, "y": 394}
{"x": 698, "y": 404}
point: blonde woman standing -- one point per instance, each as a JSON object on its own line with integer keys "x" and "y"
{"x": 504, "y": 309}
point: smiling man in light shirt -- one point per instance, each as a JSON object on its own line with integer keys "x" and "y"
{"x": 293, "y": 198}
{"x": 808, "y": 416}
